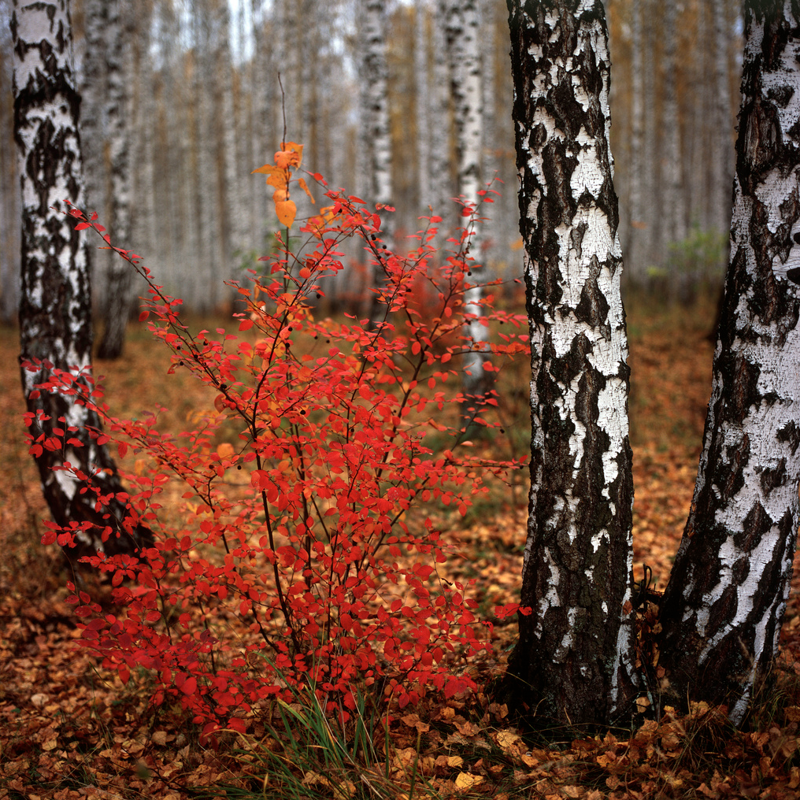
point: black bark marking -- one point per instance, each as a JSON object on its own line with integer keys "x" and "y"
{"x": 772, "y": 478}
{"x": 790, "y": 433}
{"x": 593, "y": 306}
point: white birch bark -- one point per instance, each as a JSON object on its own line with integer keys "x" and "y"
{"x": 375, "y": 74}
{"x": 375, "y": 136}
{"x": 461, "y": 28}
{"x": 635, "y": 251}
{"x": 575, "y": 653}
{"x": 671, "y": 173}
{"x": 423, "y": 102}
{"x": 55, "y": 308}
{"x": 9, "y": 190}
{"x": 721, "y": 155}
{"x": 723, "y": 607}
{"x": 120, "y": 33}
{"x": 440, "y": 125}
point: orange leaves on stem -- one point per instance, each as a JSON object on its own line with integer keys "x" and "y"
{"x": 280, "y": 175}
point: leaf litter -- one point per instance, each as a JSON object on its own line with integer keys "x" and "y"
{"x": 69, "y": 729}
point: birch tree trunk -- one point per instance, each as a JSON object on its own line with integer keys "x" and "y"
{"x": 120, "y": 33}
{"x": 373, "y": 74}
{"x": 574, "y": 657}
{"x": 635, "y": 252}
{"x": 723, "y": 606}
{"x": 9, "y": 190}
{"x": 55, "y": 309}
{"x": 673, "y": 210}
{"x": 461, "y": 27}
{"x": 423, "y": 90}
{"x": 721, "y": 156}
{"x": 441, "y": 187}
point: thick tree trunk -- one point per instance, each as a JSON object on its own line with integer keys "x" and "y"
{"x": 575, "y": 652}
{"x": 723, "y": 607}
{"x": 55, "y": 311}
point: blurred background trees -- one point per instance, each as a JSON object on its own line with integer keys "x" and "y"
{"x": 186, "y": 92}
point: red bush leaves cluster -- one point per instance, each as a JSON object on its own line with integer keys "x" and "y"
{"x": 300, "y": 488}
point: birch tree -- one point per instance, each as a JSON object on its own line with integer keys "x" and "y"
{"x": 722, "y": 610}
{"x": 55, "y": 308}
{"x": 119, "y": 36}
{"x": 721, "y": 156}
{"x": 375, "y": 138}
{"x": 575, "y": 652}
{"x": 461, "y": 27}
{"x": 423, "y": 91}
{"x": 635, "y": 252}
{"x": 672, "y": 179}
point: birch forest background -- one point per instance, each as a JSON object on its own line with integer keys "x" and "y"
{"x": 181, "y": 101}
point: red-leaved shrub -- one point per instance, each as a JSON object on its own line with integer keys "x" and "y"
{"x": 304, "y": 554}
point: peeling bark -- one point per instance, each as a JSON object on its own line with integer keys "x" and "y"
{"x": 575, "y": 652}
{"x": 55, "y": 308}
{"x": 723, "y": 607}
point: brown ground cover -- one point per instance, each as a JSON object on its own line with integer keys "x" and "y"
{"x": 69, "y": 729}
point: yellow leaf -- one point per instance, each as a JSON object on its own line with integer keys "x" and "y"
{"x": 507, "y": 739}
{"x": 312, "y": 778}
{"x": 286, "y": 211}
{"x": 304, "y": 187}
{"x": 465, "y": 781}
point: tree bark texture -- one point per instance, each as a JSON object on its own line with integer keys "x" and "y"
{"x": 575, "y": 652}
{"x": 672, "y": 179}
{"x": 55, "y": 308}
{"x": 376, "y": 136}
{"x": 461, "y": 28}
{"x": 119, "y": 37}
{"x": 635, "y": 250}
{"x": 723, "y": 606}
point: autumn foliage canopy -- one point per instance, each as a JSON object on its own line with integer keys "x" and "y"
{"x": 303, "y": 553}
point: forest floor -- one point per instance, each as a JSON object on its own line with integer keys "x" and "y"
{"x": 70, "y": 729}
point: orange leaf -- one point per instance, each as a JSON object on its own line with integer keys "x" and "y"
{"x": 286, "y": 211}
{"x": 279, "y": 179}
{"x": 225, "y": 450}
{"x": 304, "y": 187}
{"x": 295, "y": 148}
{"x": 267, "y": 169}
{"x": 286, "y": 158}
